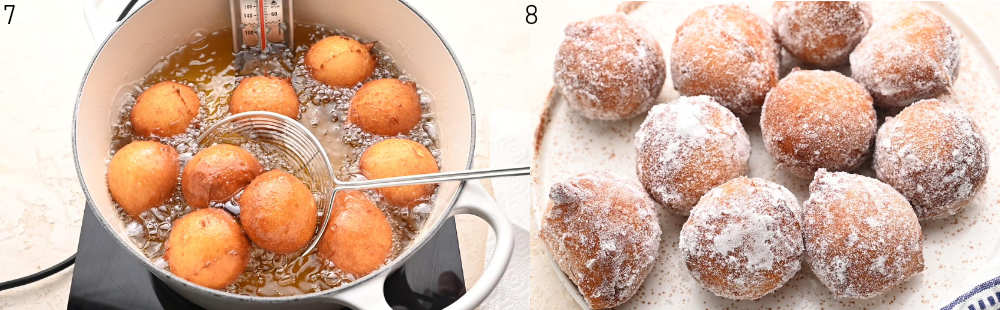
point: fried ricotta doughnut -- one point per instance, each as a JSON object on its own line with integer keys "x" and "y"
{"x": 265, "y": 93}
{"x": 933, "y": 153}
{"x": 604, "y": 234}
{"x": 688, "y": 146}
{"x": 207, "y": 247}
{"x": 395, "y": 158}
{"x": 164, "y": 109}
{"x": 609, "y": 68}
{"x": 743, "y": 239}
{"x": 358, "y": 239}
{"x": 910, "y": 55}
{"x": 339, "y": 61}
{"x": 142, "y": 175}
{"x": 385, "y": 107}
{"x": 278, "y": 212}
{"x": 217, "y": 173}
{"x": 818, "y": 119}
{"x": 821, "y": 33}
{"x": 861, "y": 236}
{"x": 728, "y": 53}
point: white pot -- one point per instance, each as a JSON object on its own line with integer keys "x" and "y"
{"x": 158, "y": 27}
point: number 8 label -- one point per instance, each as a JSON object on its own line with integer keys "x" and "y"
{"x": 531, "y": 19}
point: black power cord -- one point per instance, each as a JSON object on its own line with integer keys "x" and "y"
{"x": 128, "y": 8}
{"x": 5, "y": 285}
{"x": 31, "y": 278}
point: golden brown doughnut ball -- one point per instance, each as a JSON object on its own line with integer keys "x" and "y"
{"x": 818, "y": 119}
{"x": 819, "y": 32}
{"x": 207, "y": 247}
{"x": 604, "y": 234}
{"x": 278, "y": 212}
{"x": 164, "y": 109}
{"x": 686, "y": 147}
{"x": 142, "y": 175}
{"x": 265, "y": 93}
{"x": 217, "y": 173}
{"x": 396, "y": 158}
{"x": 743, "y": 239}
{"x": 340, "y": 61}
{"x": 728, "y": 53}
{"x": 861, "y": 236}
{"x": 933, "y": 153}
{"x": 386, "y": 107}
{"x": 609, "y": 68}
{"x": 358, "y": 239}
{"x": 909, "y": 55}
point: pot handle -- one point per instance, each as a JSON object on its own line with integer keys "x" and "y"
{"x": 476, "y": 201}
{"x": 365, "y": 296}
{"x": 473, "y": 201}
{"x": 104, "y": 15}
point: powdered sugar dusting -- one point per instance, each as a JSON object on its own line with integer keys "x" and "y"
{"x": 934, "y": 154}
{"x": 908, "y": 55}
{"x": 609, "y": 68}
{"x": 956, "y": 249}
{"x": 818, "y": 119}
{"x": 743, "y": 240}
{"x": 686, "y": 147}
{"x": 882, "y": 229}
{"x": 821, "y": 33}
{"x": 728, "y": 53}
{"x": 605, "y": 237}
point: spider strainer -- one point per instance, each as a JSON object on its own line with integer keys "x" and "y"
{"x": 286, "y": 137}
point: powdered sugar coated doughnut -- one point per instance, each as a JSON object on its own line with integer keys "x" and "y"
{"x": 819, "y": 32}
{"x": 728, "y": 53}
{"x": 743, "y": 239}
{"x": 861, "y": 236}
{"x": 934, "y": 154}
{"x": 609, "y": 68}
{"x": 688, "y": 146}
{"x": 818, "y": 119}
{"x": 604, "y": 234}
{"x": 910, "y": 55}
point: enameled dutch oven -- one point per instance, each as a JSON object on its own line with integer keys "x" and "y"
{"x": 158, "y": 27}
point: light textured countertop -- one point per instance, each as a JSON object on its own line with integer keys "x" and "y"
{"x": 48, "y": 47}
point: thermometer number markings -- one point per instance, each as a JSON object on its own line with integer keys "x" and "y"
{"x": 261, "y": 22}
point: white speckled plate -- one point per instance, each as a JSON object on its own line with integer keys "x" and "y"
{"x": 962, "y": 253}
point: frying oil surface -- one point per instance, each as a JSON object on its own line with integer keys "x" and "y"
{"x": 208, "y": 64}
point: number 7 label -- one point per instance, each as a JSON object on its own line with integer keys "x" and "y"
{"x": 11, "y": 16}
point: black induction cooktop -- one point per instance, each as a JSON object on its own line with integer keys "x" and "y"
{"x": 106, "y": 276}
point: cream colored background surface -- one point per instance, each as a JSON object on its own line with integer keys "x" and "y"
{"x": 43, "y": 57}
{"x": 508, "y": 63}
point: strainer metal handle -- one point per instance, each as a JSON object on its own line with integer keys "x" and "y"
{"x": 439, "y": 177}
